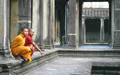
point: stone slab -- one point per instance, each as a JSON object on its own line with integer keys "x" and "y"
{"x": 68, "y": 66}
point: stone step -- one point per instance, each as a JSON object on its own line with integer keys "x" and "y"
{"x": 15, "y": 67}
{"x": 89, "y": 53}
{"x": 0, "y": 69}
{"x": 105, "y": 68}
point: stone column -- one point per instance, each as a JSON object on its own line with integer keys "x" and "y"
{"x": 24, "y": 14}
{"x": 52, "y": 22}
{"x": 72, "y": 24}
{"x": 47, "y": 24}
{"x": 116, "y": 30}
{"x": 4, "y": 28}
{"x": 83, "y": 30}
{"x": 102, "y": 30}
{"x": 41, "y": 24}
{"x": 37, "y": 22}
{"x": 49, "y": 45}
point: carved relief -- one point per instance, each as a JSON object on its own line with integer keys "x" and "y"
{"x": 117, "y": 38}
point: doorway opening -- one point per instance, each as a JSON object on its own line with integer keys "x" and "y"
{"x": 92, "y": 30}
{"x": 96, "y": 28}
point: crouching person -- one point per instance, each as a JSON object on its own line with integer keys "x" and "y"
{"x": 18, "y": 48}
{"x": 29, "y": 42}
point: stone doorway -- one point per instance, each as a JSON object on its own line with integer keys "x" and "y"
{"x": 96, "y": 27}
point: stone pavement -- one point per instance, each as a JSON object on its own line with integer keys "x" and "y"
{"x": 68, "y": 66}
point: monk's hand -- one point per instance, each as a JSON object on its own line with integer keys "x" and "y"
{"x": 41, "y": 52}
{"x": 32, "y": 48}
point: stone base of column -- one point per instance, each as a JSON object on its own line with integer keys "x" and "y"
{"x": 72, "y": 41}
{"x": 5, "y": 53}
{"x": 47, "y": 47}
{"x": 72, "y": 45}
{"x": 116, "y": 47}
{"x": 53, "y": 45}
{"x": 116, "y": 44}
{"x": 41, "y": 47}
{"x": 1, "y": 52}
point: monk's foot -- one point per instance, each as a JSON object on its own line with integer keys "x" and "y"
{"x": 23, "y": 59}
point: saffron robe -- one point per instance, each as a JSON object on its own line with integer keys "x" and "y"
{"x": 18, "y": 48}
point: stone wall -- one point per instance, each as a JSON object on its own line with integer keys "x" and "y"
{"x": 35, "y": 18}
{"x": 1, "y": 23}
{"x": 116, "y": 23}
{"x": 14, "y": 19}
{"x": 4, "y": 28}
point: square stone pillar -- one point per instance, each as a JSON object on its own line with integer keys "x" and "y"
{"x": 37, "y": 24}
{"x": 102, "y": 30}
{"x": 72, "y": 24}
{"x": 52, "y": 22}
{"x": 116, "y": 23}
{"x": 4, "y": 28}
{"x": 48, "y": 23}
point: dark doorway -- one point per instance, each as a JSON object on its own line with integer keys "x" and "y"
{"x": 92, "y": 30}
{"x": 106, "y": 31}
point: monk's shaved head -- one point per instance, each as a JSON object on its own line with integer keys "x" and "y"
{"x": 31, "y": 32}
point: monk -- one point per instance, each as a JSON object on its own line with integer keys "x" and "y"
{"x": 18, "y": 48}
{"x": 29, "y": 42}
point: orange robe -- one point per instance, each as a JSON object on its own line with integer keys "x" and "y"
{"x": 18, "y": 48}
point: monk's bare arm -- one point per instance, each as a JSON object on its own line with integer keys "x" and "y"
{"x": 35, "y": 45}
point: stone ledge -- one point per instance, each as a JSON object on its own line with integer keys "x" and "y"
{"x": 106, "y": 64}
{"x": 0, "y": 69}
{"x": 106, "y": 68}
{"x": 86, "y": 53}
{"x": 15, "y": 67}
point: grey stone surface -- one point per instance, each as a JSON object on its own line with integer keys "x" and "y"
{"x": 24, "y": 14}
{"x": 117, "y": 39}
{"x": 117, "y": 19}
{"x": 116, "y": 23}
{"x": 68, "y": 66}
{"x": 71, "y": 16}
{"x": 4, "y": 28}
{"x": 72, "y": 24}
{"x": 117, "y": 4}
{"x": 20, "y": 25}
{"x": 24, "y": 10}
{"x": 0, "y": 69}
{"x": 39, "y": 36}
{"x": 52, "y": 63}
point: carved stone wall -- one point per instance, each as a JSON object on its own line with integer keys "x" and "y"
{"x": 116, "y": 23}
{"x": 24, "y": 9}
{"x": 4, "y": 28}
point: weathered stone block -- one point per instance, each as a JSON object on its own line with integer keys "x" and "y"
{"x": 117, "y": 4}
{"x": 117, "y": 19}
{"x": 71, "y": 38}
{"x": 72, "y": 16}
{"x": 0, "y": 69}
{"x": 20, "y": 25}
{"x": 117, "y": 39}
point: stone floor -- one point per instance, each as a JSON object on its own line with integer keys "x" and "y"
{"x": 68, "y": 66}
